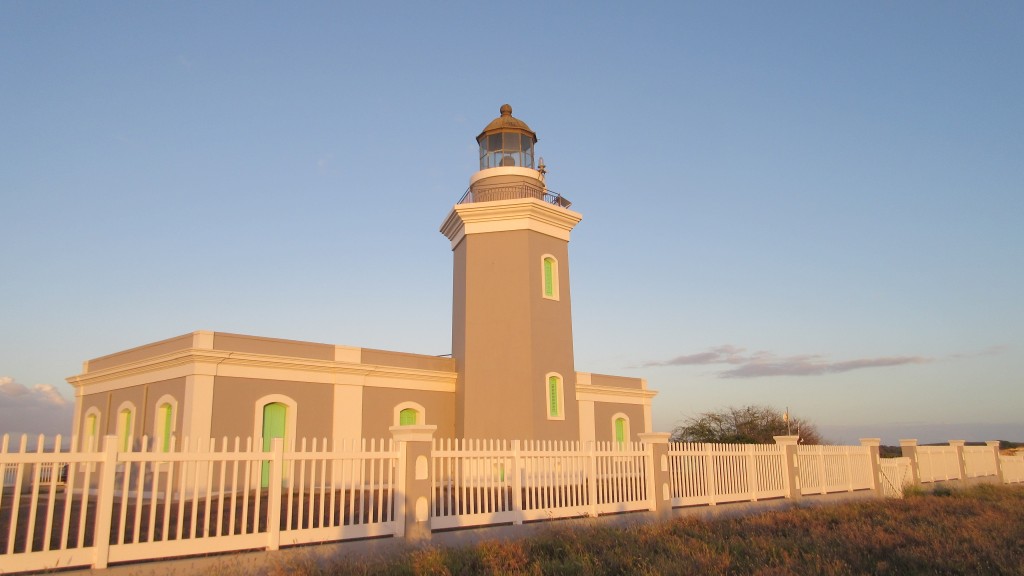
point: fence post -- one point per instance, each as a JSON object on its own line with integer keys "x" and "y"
{"x": 517, "y": 483}
{"x": 104, "y": 503}
{"x": 791, "y": 465}
{"x": 822, "y": 477}
{"x": 412, "y": 501}
{"x": 909, "y": 449}
{"x": 994, "y": 444}
{"x": 751, "y": 473}
{"x": 961, "y": 462}
{"x": 874, "y": 451}
{"x": 710, "y": 475}
{"x": 592, "y": 473}
{"x": 274, "y": 494}
{"x": 659, "y": 495}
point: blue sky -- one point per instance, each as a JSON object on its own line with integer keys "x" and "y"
{"x": 803, "y": 204}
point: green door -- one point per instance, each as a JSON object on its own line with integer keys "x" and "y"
{"x": 274, "y": 415}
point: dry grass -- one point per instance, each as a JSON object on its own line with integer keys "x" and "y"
{"x": 978, "y": 530}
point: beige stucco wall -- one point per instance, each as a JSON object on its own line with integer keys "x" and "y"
{"x": 603, "y": 412}
{"x": 507, "y": 337}
{"x": 144, "y": 397}
{"x": 234, "y": 406}
{"x": 379, "y": 409}
{"x": 274, "y": 346}
{"x": 617, "y": 381}
{"x": 174, "y": 388}
{"x": 183, "y": 342}
{"x": 406, "y": 360}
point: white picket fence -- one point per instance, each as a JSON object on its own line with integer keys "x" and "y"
{"x": 1013, "y": 468}
{"x": 826, "y": 469}
{"x": 938, "y": 463}
{"x": 125, "y": 506}
{"x": 715, "y": 473}
{"x": 46, "y": 472}
{"x": 979, "y": 462}
{"x": 896, "y": 475}
{"x": 62, "y": 509}
{"x": 477, "y": 482}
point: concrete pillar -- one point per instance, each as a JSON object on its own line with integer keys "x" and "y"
{"x": 994, "y": 444}
{"x": 961, "y": 462}
{"x": 909, "y": 449}
{"x": 659, "y": 480}
{"x": 412, "y": 500}
{"x": 874, "y": 445}
{"x": 792, "y": 464}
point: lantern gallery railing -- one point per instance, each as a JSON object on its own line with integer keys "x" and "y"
{"x": 513, "y": 192}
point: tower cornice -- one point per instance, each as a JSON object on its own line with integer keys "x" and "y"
{"x": 506, "y": 215}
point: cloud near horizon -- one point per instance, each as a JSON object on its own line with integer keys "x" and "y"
{"x": 763, "y": 363}
{"x": 41, "y": 409}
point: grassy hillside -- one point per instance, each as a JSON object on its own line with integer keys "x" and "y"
{"x": 979, "y": 530}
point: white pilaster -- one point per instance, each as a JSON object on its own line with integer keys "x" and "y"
{"x": 347, "y": 424}
{"x": 198, "y": 408}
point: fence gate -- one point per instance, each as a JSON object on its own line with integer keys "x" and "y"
{"x": 895, "y": 475}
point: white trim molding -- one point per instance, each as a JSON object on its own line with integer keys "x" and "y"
{"x": 597, "y": 393}
{"x": 506, "y": 215}
{"x": 194, "y": 362}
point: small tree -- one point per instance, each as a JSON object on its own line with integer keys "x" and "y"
{"x": 745, "y": 425}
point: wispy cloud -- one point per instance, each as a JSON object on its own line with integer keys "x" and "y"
{"x": 990, "y": 351}
{"x": 40, "y": 409}
{"x": 764, "y": 363}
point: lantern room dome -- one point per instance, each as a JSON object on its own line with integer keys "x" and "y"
{"x": 506, "y": 141}
{"x": 507, "y": 121}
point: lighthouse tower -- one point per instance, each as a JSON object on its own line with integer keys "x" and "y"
{"x": 511, "y": 314}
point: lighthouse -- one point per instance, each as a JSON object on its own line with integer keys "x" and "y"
{"x": 512, "y": 313}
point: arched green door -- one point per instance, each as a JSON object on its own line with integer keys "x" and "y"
{"x": 274, "y": 416}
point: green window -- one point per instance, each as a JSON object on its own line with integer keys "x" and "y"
{"x": 620, "y": 432}
{"x": 274, "y": 419}
{"x": 549, "y": 277}
{"x": 126, "y": 429}
{"x": 166, "y": 415}
{"x": 407, "y": 417}
{"x": 90, "y": 432}
{"x": 553, "y": 407}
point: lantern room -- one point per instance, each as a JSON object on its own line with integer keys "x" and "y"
{"x": 506, "y": 141}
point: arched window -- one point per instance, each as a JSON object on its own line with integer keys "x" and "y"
{"x": 407, "y": 417}
{"x": 275, "y": 425}
{"x": 554, "y": 395}
{"x": 91, "y": 429}
{"x": 620, "y": 431}
{"x": 125, "y": 426}
{"x": 409, "y": 414}
{"x": 164, "y": 423}
{"x": 549, "y": 276}
{"x": 275, "y": 417}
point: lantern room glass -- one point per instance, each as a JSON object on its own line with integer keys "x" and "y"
{"x": 506, "y": 149}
